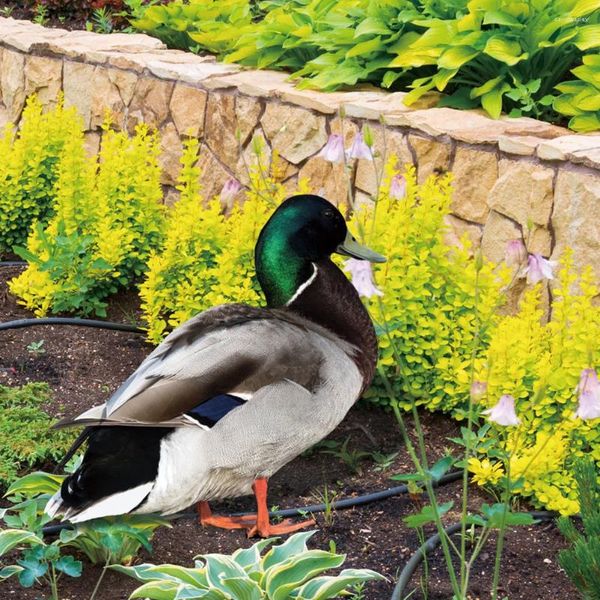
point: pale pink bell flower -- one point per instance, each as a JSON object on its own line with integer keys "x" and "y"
{"x": 398, "y": 187}
{"x": 229, "y": 191}
{"x": 503, "y": 413}
{"x": 589, "y": 395}
{"x": 362, "y": 277}
{"x": 333, "y": 150}
{"x": 515, "y": 253}
{"x": 539, "y": 268}
{"x": 478, "y": 390}
{"x": 359, "y": 148}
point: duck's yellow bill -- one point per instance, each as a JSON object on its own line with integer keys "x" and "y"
{"x": 350, "y": 247}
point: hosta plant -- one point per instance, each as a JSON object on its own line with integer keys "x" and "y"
{"x": 286, "y": 570}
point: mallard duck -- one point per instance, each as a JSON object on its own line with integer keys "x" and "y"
{"x": 236, "y": 392}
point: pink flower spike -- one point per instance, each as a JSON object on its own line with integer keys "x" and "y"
{"x": 589, "y": 395}
{"x": 503, "y": 413}
{"x": 539, "y": 268}
{"x": 362, "y": 277}
{"x": 229, "y": 191}
{"x": 515, "y": 253}
{"x": 478, "y": 390}
{"x": 359, "y": 149}
{"x": 333, "y": 150}
{"x": 398, "y": 187}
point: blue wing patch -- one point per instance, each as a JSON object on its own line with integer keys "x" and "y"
{"x": 213, "y": 410}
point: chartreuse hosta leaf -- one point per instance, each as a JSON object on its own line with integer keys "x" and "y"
{"x": 288, "y": 570}
{"x": 36, "y": 483}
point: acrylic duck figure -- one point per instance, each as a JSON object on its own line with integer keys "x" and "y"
{"x": 236, "y": 392}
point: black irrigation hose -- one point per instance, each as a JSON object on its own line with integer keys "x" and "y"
{"x": 20, "y": 323}
{"x": 13, "y": 263}
{"x": 432, "y": 543}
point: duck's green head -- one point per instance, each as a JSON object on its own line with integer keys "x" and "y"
{"x": 304, "y": 230}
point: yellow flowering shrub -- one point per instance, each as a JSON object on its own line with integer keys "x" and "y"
{"x": 28, "y": 168}
{"x": 425, "y": 318}
{"x": 107, "y": 218}
{"x": 539, "y": 363}
{"x": 208, "y": 258}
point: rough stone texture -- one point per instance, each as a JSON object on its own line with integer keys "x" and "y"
{"x": 247, "y": 113}
{"x": 106, "y": 99}
{"x": 43, "y": 76}
{"x": 576, "y": 217}
{"x": 249, "y": 159}
{"x": 295, "y": 133}
{"x": 170, "y": 153}
{"x": 326, "y": 179}
{"x": 150, "y": 102}
{"x": 457, "y": 228}
{"x": 77, "y": 89}
{"x": 125, "y": 82}
{"x": 12, "y": 80}
{"x": 498, "y": 231}
{"x": 525, "y": 145}
{"x": 432, "y": 157}
{"x": 92, "y": 143}
{"x": 575, "y": 148}
{"x": 212, "y": 174}
{"x": 365, "y": 179}
{"x": 475, "y": 173}
{"x": 523, "y": 192}
{"x": 187, "y": 107}
{"x": 220, "y": 127}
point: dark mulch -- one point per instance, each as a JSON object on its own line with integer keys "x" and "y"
{"x": 84, "y": 365}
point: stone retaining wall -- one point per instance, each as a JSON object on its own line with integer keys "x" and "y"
{"x": 507, "y": 172}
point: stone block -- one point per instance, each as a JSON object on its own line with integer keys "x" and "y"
{"x": 150, "y": 101}
{"x": 295, "y": 133}
{"x": 433, "y": 157}
{"x": 105, "y": 98}
{"x": 576, "y": 217}
{"x": 212, "y": 173}
{"x": 170, "y": 154}
{"x": 475, "y": 173}
{"x": 497, "y": 232}
{"x": 523, "y": 192}
{"x": 43, "y": 76}
{"x": 457, "y": 229}
{"x": 326, "y": 179}
{"x": 575, "y": 148}
{"x": 188, "y": 106}
{"x": 77, "y": 89}
{"x": 220, "y": 128}
{"x": 12, "y": 82}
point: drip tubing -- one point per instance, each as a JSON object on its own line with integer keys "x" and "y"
{"x": 13, "y": 263}
{"x": 20, "y": 323}
{"x": 432, "y": 543}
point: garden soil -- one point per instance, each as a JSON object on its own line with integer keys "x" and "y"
{"x": 83, "y": 366}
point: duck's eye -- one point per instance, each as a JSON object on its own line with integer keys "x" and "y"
{"x": 328, "y": 213}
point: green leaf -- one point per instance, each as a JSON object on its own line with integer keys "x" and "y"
{"x": 330, "y": 586}
{"x": 499, "y": 17}
{"x": 249, "y": 558}
{"x": 365, "y": 47}
{"x": 585, "y": 123}
{"x": 488, "y": 86}
{"x": 371, "y": 26}
{"x": 588, "y": 37}
{"x": 427, "y": 515}
{"x": 495, "y": 515}
{"x": 69, "y": 566}
{"x": 242, "y": 587}
{"x": 440, "y": 468}
{"x": 281, "y": 579}
{"x": 457, "y": 56}
{"x": 492, "y": 102}
{"x": 295, "y": 544}
{"x": 505, "y": 50}
{"x": 11, "y": 538}
{"x": 9, "y": 571}
{"x": 157, "y": 590}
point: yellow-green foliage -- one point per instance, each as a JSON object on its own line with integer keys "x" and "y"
{"x": 429, "y": 291}
{"x": 28, "y": 168}
{"x": 540, "y": 364}
{"x": 107, "y": 219}
{"x": 207, "y": 258}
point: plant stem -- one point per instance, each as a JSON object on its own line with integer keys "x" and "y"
{"x": 53, "y": 583}
{"x": 97, "y": 586}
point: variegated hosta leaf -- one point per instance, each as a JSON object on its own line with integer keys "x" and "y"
{"x": 242, "y": 587}
{"x": 150, "y": 572}
{"x": 11, "y": 538}
{"x": 9, "y": 571}
{"x": 295, "y": 544}
{"x": 220, "y": 567}
{"x": 157, "y": 590}
{"x": 36, "y": 483}
{"x": 281, "y": 579}
{"x": 249, "y": 558}
{"x": 330, "y": 586}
